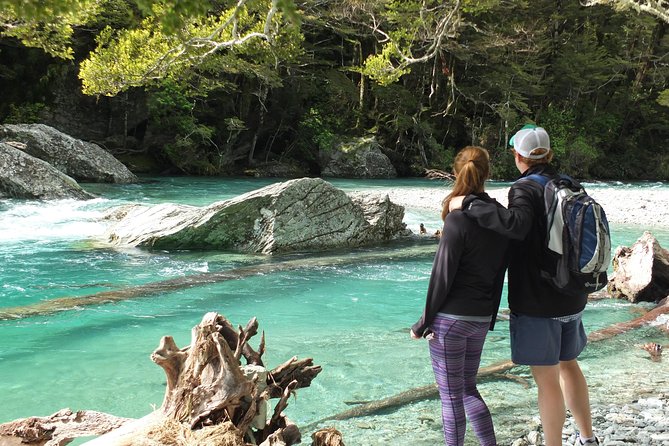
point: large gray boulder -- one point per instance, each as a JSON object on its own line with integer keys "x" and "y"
{"x": 81, "y": 160}
{"x": 304, "y": 214}
{"x": 24, "y": 176}
{"x": 640, "y": 272}
{"x": 357, "y": 158}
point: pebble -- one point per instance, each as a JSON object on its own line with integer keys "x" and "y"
{"x": 644, "y": 422}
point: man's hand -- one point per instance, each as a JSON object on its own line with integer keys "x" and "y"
{"x": 414, "y": 335}
{"x": 456, "y": 203}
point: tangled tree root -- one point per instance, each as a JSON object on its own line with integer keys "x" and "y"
{"x": 211, "y": 399}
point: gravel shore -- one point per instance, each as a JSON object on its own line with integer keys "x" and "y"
{"x": 648, "y": 208}
{"x": 642, "y": 422}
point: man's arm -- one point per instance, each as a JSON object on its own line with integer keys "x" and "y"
{"x": 514, "y": 222}
{"x": 456, "y": 203}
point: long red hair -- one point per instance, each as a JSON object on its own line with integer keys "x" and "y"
{"x": 471, "y": 168}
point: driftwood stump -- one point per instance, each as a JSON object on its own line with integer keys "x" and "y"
{"x": 211, "y": 399}
{"x": 640, "y": 272}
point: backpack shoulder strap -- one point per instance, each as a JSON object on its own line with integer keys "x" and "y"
{"x": 537, "y": 178}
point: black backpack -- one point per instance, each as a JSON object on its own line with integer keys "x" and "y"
{"x": 578, "y": 241}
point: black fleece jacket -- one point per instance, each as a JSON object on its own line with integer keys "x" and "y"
{"x": 524, "y": 222}
{"x": 468, "y": 270}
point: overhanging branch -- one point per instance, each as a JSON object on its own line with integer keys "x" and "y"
{"x": 658, "y": 8}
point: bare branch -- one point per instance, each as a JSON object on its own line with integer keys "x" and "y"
{"x": 436, "y": 174}
{"x": 444, "y": 28}
{"x": 658, "y": 8}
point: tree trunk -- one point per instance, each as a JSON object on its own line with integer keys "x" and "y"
{"x": 262, "y": 96}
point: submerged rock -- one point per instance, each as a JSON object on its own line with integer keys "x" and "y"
{"x": 24, "y": 176}
{"x": 81, "y": 160}
{"x": 640, "y": 272}
{"x": 304, "y": 214}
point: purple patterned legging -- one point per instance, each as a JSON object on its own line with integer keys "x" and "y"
{"x": 456, "y": 353}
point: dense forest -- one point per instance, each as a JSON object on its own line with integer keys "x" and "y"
{"x": 220, "y": 87}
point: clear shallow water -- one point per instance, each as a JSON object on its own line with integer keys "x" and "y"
{"x": 351, "y": 317}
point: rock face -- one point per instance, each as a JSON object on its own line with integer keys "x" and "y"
{"x": 24, "y": 176}
{"x": 297, "y": 215}
{"x": 357, "y": 158}
{"x": 640, "y": 272}
{"x": 83, "y": 161}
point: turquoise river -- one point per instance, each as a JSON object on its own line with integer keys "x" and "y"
{"x": 351, "y": 316}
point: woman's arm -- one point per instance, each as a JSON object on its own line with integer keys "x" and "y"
{"x": 446, "y": 261}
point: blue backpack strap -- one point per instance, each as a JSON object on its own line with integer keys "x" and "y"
{"x": 537, "y": 178}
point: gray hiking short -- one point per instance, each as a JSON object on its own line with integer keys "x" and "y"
{"x": 546, "y": 341}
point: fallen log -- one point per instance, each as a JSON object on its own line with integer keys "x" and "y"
{"x": 69, "y": 303}
{"x": 492, "y": 371}
{"x": 210, "y": 398}
{"x": 407, "y": 397}
{"x": 58, "y": 429}
{"x": 623, "y": 327}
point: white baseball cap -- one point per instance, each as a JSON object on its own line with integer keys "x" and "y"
{"x": 528, "y": 138}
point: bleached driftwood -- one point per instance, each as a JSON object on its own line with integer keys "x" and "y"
{"x": 640, "y": 272}
{"x": 59, "y": 428}
{"x": 211, "y": 399}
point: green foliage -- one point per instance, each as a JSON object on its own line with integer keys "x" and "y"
{"x": 502, "y": 165}
{"x": 662, "y": 162}
{"x": 189, "y": 152}
{"x": 28, "y": 113}
{"x": 441, "y": 157}
{"x": 173, "y": 13}
{"x": 169, "y": 100}
{"x": 583, "y": 64}
{"x": 574, "y": 146}
{"x": 476, "y": 7}
{"x": 49, "y": 27}
{"x": 384, "y": 68}
{"x": 45, "y": 10}
{"x": 123, "y": 61}
{"x": 663, "y": 98}
{"x": 331, "y": 111}
{"x": 146, "y": 54}
{"x": 171, "y": 110}
{"x": 314, "y": 128}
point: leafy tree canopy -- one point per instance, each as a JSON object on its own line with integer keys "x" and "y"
{"x": 136, "y": 57}
{"x": 170, "y": 35}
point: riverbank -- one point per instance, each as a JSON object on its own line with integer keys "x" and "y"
{"x": 648, "y": 209}
{"x": 630, "y": 406}
{"x": 643, "y": 421}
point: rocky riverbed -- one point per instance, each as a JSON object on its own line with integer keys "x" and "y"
{"x": 644, "y": 421}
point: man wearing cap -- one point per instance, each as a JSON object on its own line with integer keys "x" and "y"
{"x": 545, "y": 327}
